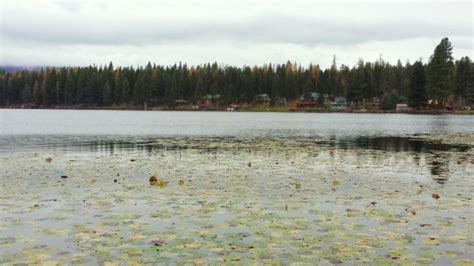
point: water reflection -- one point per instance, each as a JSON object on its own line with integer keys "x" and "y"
{"x": 439, "y": 167}
{"x": 394, "y": 144}
{"x": 438, "y": 159}
{"x": 120, "y": 146}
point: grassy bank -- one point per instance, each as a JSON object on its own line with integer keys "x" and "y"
{"x": 249, "y": 108}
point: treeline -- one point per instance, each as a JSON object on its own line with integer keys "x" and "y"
{"x": 441, "y": 79}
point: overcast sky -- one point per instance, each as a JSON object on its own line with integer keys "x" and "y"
{"x": 243, "y": 32}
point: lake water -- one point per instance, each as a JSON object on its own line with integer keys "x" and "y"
{"x": 242, "y": 188}
{"x": 20, "y": 129}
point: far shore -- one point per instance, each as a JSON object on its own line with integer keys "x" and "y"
{"x": 249, "y": 108}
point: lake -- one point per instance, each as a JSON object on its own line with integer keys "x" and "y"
{"x": 242, "y": 188}
{"x": 61, "y": 128}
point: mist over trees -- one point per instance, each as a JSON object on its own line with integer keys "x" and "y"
{"x": 441, "y": 79}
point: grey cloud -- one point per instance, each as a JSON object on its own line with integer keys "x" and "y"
{"x": 274, "y": 28}
{"x": 133, "y": 32}
{"x": 70, "y": 6}
{"x": 75, "y": 6}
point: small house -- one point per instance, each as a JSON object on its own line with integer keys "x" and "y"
{"x": 206, "y": 106}
{"x": 308, "y": 100}
{"x": 212, "y": 97}
{"x": 340, "y": 103}
{"x": 181, "y": 102}
{"x": 233, "y": 107}
{"x": 312, "y": 96}
{"x": 403, "y": 107}
{"x": 262, "y": 98}
{"x": 280, "y": 101}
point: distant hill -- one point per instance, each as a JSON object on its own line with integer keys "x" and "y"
{"x": 10, "y": 68}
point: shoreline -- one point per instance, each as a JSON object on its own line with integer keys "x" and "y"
{"x": 256, "y": 108}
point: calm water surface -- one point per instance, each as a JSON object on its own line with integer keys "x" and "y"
{"x": 32, "y": 129}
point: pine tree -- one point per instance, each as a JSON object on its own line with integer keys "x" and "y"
{"x": 201, "y": 89}
{"x": 3, "y": 89}
{"x": 462, "y": 80}
{"x": 26, "y": 93}
{"x": 277, "y": 87}
{"x": 51, "y": 87}
{"x": 81, "y": 87}
{"x": 470, "y": 86}
{"x": 69, "y": 90}
{"x": 248, "y": 85}
{"x": 334, "y": 87}
{"x": 358, "y": 85}
{"x": 107, "y": 94}
{"x": 439, "y": 72}
{"x": 10, "y": 90}
{"x": 125, "y": 96}
{"x": 389, "y": 100}
{"x": 417, "y": 94}
{"x": 118, "y": 83}
{"x": 37, "y": 99}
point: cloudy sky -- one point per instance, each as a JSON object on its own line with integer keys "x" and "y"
{"x": 243, "y": 32}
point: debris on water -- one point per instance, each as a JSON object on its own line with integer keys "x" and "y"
{"x": 157, "y": 242}
{"x": 181, "y": 182}
{"x": 7, "y": 240}
{"x": 249, "y": 164}
{"x": 297, "y": 185}
{"x": 154, "y": 181}
{"x": 49, "y": 159}
{"x": 419, "y": 190}
{"x": 198, "y": 261}
{"x": 373, "y": 203}
{"x": 435, "y": 195}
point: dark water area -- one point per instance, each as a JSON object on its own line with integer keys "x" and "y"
{"x": 396, "y": 144}
{"x": 118, "y": 144}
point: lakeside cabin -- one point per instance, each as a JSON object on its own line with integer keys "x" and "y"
{"x": 339, "y": 103}
{"x": 403, "y": 108}
{"x": 233, "y": 107}
{"x": 180, "y": 102}
{"x": 308, "y": 100}
{"x": 262, "y": 98}
{"x": 212, "y": 97}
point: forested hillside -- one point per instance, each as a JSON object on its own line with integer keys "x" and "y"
{"x": 440, "y": 78}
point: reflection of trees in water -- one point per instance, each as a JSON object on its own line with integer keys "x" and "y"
{"x": 439, "y": 158}
{"x": 114, "y": 147}
{"x": 439, "y": 166}
{"x": 391, "y": 144}
{"x": 400, "y": 153}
